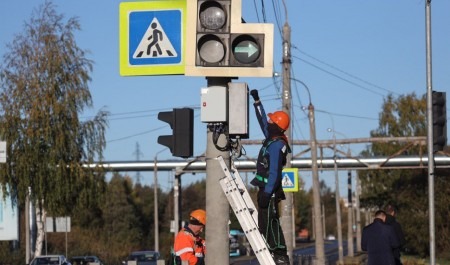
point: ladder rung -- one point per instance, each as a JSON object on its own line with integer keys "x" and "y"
{"x": 245, "y": 211}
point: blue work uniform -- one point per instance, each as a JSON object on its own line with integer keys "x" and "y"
{"x": 271, "y": 159}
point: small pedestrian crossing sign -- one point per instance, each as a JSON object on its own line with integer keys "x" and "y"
{"x": 289, "y": 179}
{"x": 152, "y": 37}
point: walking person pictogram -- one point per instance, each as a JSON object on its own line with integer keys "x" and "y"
{"x": 155, "y": 37}
{"x": 154, "y": 43}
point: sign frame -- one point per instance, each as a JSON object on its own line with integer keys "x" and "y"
{"x": 292, "y": 172}
{"x": 127, "y": 27}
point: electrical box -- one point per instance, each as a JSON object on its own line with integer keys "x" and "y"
{"x": 238, "y": 110}
{"x": 214, "y": 104}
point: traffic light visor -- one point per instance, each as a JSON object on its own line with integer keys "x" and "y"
{"x": 212, "y": 15}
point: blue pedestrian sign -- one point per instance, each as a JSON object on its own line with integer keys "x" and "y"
{"x": 152, "y": 37}
{"x": 289, "y": 179}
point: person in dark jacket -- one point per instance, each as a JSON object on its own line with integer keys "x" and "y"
{"x": 269, "y": 166}
{"x": 379, "y": 240}
{"x": 391, "y": 211}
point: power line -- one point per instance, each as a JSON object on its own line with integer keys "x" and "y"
{"x": 339, "y": 77}
{"x": 345, "y": 72}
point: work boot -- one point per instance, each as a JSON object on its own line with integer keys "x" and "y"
{"x": 281, "y": 259}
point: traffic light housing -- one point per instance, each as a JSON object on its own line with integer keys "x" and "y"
{"x": 439, "y": 121}
{"x": 219, "y": 44}
{"x": 181, "y": 142}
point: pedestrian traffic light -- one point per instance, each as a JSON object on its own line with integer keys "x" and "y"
{"x": 219, "y": 44}
{"x": 181, "y": 142}
{"x": 439, "y": 121}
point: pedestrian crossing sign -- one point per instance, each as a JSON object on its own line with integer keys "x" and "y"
{"x": 152, "y": 37}
{"x": 289, "y": 179}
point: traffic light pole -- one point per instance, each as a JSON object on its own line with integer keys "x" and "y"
{"x": 217, "y": 207}
{"x": 287, "y": 205}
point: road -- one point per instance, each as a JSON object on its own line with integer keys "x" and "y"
{"x": 303, "y": 254}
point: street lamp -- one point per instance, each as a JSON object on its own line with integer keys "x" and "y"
{"x": 319, "y": 242}
{"x": 338, "y": 206}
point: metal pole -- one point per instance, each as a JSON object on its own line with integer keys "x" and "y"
{"x": 155, "y": 207}
{"x": 358, "y": 214}
{"x": 217, "y": 208}
{"x": 338, "y": 205}
{"x": 319, "y": 242}
{"x": 350, "y": 217}
{"x": 430, "y": 132}
{"x": 176, "y": 202}
{"x": 27, "y": 229}
{"x": 287, "y": 205}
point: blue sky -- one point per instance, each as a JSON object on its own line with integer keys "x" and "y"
{"x": 350, "y": 54}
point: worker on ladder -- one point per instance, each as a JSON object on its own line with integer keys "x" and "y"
{"x": 188, "y": 245}
{"x": 269, "y": 166}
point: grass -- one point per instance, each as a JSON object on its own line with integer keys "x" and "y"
{"x": 411, "y": 260}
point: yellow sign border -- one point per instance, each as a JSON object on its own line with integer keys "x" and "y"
{"x": 124, "y": 9}
{"x": 295, "y": 171}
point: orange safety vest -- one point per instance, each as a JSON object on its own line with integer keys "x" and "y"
{"x": 189, "y": 247}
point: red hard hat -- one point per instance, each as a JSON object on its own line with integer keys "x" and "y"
{"x": 280, "y": 118}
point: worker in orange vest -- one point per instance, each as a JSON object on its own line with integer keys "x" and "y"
{"x": 189, "y": 246}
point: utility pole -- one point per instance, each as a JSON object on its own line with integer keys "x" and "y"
{"x": 138, "y": 154}
{"x": 287, "y": 208}
{"x": 338, "y": 205}
{"x": 358, "y": 214}
{"x": 217, "y": 207}
{"x": 319, "y": 242}
{"x": 350, "y": 216}
{"x": 430, "y": 139}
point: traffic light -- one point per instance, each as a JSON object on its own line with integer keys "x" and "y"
{"x": 181, "y": 142}
{"x": 439, "y": 121}
{"x": 219, "y": 44}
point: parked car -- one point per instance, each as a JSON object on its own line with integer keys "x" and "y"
{"x": 238, "y": 243}
{"x": 50, "y": 260}
{"x": 86, "y": 260}
{"x": 146, "y": 257}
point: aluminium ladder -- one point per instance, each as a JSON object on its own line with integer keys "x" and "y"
{"x": 245, "y": 211}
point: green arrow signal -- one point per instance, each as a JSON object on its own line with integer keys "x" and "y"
{"x": 250, "y": 49}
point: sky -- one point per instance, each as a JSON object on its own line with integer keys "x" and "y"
{"x": 350, "y": 54}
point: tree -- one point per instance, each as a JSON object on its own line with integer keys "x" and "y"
{"x": 44, "y": 88}
{"x": 408, "y": 189}
{"x": 123, "y": 231}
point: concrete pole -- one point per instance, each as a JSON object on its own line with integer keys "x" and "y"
{"x": 338, "y": 205}
{"x": 358, "y": 214}
{"x": 287, "y": 215}
{"x": 430, "y": 139}
{"x": 217, "y": 207}
{"x": 323, "y": 222}
{"x": 319, "y": 242}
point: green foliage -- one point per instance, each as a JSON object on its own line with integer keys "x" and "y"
{"x": 44, "y": 88}
{"x": 408, "y": 188}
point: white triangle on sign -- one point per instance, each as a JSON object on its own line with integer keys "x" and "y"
{"x": 154, "y": 43}
{"x": 286, "y": 182}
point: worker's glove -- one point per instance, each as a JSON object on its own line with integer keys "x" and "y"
{"x": 199, "y": 242}
{"x": 254, "y": 94}
{"x": 264, "y": 200}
